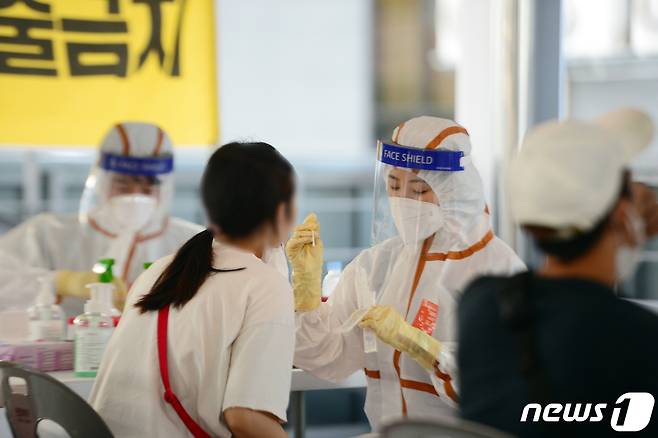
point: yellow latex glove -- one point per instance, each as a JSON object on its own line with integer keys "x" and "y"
{"x": 391, "y": 328}
{"x": 304, "y": 250}
{"x": 120, "y": 294}
{"x": 74, "y": 284}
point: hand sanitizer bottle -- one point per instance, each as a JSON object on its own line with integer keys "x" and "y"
{"x": 106, "y": 275}
{"x": 93, "y": 330}
{"x": 47, "y": 319}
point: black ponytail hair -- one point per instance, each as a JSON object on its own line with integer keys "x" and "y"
{"x": 241, "y": 189}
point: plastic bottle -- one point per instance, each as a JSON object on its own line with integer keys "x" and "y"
{"x": 93, "y": 330}
{"x": 106, "y": 276}
{"x": 47, "y": 320}
{"x": 330, "y": 280}
{"x": 104, "y": 270}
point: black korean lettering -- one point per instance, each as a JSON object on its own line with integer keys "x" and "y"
{"x": 154, "y": 45}
{"x": 112, "y": 6}
{"x": 93, "y": 26}
{"x": 76, "y": 50}
{"x": 77, "y": 68}
{"x": 32, "y": 4}
{"x": 28, "y": 48}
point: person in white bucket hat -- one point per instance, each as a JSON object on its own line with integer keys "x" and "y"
{"x": 554, "y": 341}
{"x": 432, "y": 236}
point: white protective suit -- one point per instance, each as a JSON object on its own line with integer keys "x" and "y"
{"x": 433, "y": 272}
{"x": 52, "y": 242}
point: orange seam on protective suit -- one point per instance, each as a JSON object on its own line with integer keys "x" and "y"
{"x": 420, "y": 267}
{"x": 419, "y": 386}
{"x": 98, "y": 228}
{"x": 419, "y": 271}
{"x": 436, "y": 141}
{"x": 373, "y": 374}
{"x": 126, "y": 266}
{"x": 124, "y": 139}
{"x": 154, "y": 234}
{"x": 459, "y": 255}
{"x": 158, "y": 145}
{"x": 397, "y": 135}
{"x": 450, "y": 391}
{"x": 131, "y": 253}
{"x": 408, "y": 384}
{"x": 158, "y": 233}
{"x": 447, "y": 382}
{"x": 396, "y": 365}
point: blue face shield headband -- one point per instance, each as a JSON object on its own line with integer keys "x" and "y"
{"x": 420, "y": 159}
{"x": 138, "y": 166}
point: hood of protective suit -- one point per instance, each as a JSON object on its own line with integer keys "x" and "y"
{"x": 460, "y": 194}
{"x": 129, "y": 149}
{"x": 133, "y": 148}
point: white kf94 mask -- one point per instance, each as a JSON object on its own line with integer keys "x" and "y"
{"x": 133, "y": 212}
{"x": 415, "y": 220}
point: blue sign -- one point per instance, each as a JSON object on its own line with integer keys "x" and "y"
{"x": 144, "y": 166}
{"x": 422, "y": 159}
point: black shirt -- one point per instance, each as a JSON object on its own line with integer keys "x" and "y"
{"x": 590, "y": 347}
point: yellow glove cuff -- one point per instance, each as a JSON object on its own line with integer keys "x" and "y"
{"x": 73, "y": 283}
{"x": 304, "y": 250}
{"x": 425, "y": 350}
{"x": 307, "y": 288}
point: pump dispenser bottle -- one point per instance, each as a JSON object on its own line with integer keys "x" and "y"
{"x": 106, "y": 275}
{"x": 47, "y": 319}
{"x": 93, "y": 330}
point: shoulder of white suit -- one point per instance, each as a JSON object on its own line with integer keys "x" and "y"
{"x": 52, "y": 220}
{"x": 185, "y": 225}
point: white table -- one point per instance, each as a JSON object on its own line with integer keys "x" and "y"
{"x": 301, "y": 382}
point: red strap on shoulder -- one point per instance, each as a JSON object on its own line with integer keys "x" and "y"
{"x": 169, "y": 396}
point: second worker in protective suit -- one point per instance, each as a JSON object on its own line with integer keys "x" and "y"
{"x": 124, "y": 215}
{"x": 432, "y": 236}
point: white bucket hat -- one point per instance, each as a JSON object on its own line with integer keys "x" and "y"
{"x": 568, "y": 174}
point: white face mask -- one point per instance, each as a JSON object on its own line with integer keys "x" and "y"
{"x": 628, "y": 257}
{"x": 132, "y": 212}
{"x": 415, "y": 220}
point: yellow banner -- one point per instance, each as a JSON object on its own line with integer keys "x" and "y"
{"x": 69, "y": 69}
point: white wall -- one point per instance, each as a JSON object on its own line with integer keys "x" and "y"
{"x": 297, "y": 74}
{"x": 474, "y": 88}
{"x": 596, "y": 89}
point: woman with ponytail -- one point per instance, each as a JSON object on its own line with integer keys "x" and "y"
{"x": 206, "y": 342}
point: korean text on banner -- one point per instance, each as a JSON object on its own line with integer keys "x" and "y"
{"x": 69, "y": 69}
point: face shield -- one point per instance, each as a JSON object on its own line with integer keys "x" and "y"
{"x": 130, "y": 186}
{"x": 413, "y": 189}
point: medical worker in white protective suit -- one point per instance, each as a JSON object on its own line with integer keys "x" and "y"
{"x": 124, "y": 215}
{"x": 432, "y": 236}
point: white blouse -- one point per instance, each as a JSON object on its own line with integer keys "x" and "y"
{"x": 230, "y": 346}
